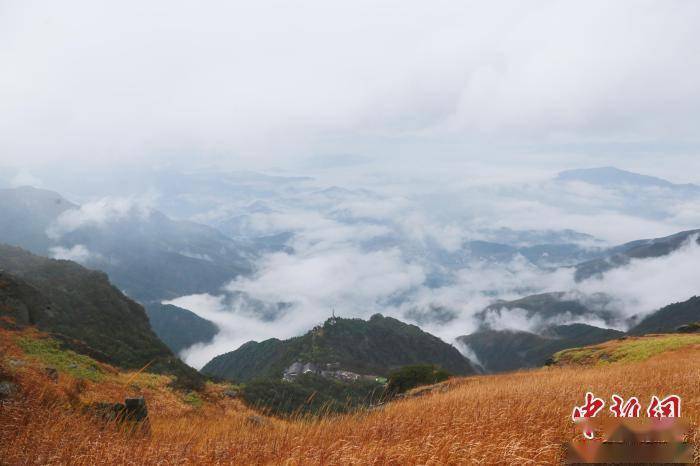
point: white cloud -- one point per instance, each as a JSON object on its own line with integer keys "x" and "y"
{"x": 25, "y": 178}
{"x": 98, "y": 214}
{"x": 128, "y": 80}
{"x": 413, "y": 232}
{"x": 78, "y": 253}
{"x": 645, "y": 285}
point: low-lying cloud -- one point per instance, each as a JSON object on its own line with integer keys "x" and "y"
{"x": 98, "y": 214}
{"x": 78, "y": 253}
{"x": 355, "y": 282}
{"x": 645, "y": 285}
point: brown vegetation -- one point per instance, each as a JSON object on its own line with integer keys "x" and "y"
{"x": 517, "y": 418}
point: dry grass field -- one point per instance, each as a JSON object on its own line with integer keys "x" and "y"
{"x": 519, "y": 418}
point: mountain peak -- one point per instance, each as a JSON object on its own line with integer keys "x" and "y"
{"x": 375, "y": 346}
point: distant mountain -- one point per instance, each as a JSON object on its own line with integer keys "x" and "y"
{"x": 538, "y": 254}
{"x": 669, "y": 318}
{"x": 83, "y": 307}
{"x": 548, "y": 309}
{"x": 179, "y": 328}
{"x": 614, "y": 177}
{"x": 145, "y": 253}
{"x": 152, "y": 257}
{"x": 641, "y": 249}
{"x": 524, "y": 238}
{"x": 27, "y": 213}
{"x": 505, "y": 350}
{"x": 375, "y": 346}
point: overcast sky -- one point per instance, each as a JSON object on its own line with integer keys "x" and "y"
{"x": 269, "y": 83}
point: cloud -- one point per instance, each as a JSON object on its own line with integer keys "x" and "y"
{"x": 645, "y": 285}
{"x": 111, "y": 82}
{"x": 468, "y": 353}
{"x": 352, "y": 282}
{"x": 402, "y": 252}
{"x": 78, "y": 253}
{"x": 520, "y": 319}
{"x": 98, "y": 214}
{"x": 25, "y": 178}
{"x": 355, "y": 284}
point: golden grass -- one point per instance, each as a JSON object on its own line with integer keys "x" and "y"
{"x": 518, "y": 418}
{"x": 628, "y": 349}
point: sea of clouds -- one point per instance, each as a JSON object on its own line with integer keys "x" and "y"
{"x": 401, "y": 252}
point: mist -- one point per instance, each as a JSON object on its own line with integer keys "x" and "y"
{"x": 406, "y": 253}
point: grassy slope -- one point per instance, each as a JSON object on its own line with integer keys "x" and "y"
{"x": 516, "y": 418}
{"x": 628, "y": 349}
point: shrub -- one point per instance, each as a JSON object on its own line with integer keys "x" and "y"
{"x": 309, "y": 394}
{"x": 409, "y": 377}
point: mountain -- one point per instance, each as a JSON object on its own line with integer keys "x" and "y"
{"x": 505, "y": 350}
{"x": 538, "y": 254}
{"x": 148, "y": 255}
{"x": 85, "y": 310}
{"x": 375, "y": 346}
{"x": 615, "y": 178}
{"x": 179, "y": 328}
{"x": 641, "y": 249}
{"x": 547, "y": 309}
{"x": 152, "y": 257}
{"x": 27, "y": 213}
{"x": 669, "y": 318}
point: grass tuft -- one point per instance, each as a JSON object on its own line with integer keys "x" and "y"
{"x": 49, "y": 352}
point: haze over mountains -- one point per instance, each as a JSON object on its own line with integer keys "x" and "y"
{"x": 249, "y": 256}
{"x": 149, "y": 255}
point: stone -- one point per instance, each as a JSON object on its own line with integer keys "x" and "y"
{"x": 7, "y": 389}
{"x": 231, "y": 393}
{"x": 135, "y": 409}
{"x": 132, "y": 414}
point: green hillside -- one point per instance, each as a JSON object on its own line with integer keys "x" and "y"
{"x": 83, "y": 310}
{"x": 375, "y": 346}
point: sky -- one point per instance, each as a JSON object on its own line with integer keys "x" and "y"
{"x": 276, "y": 84}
